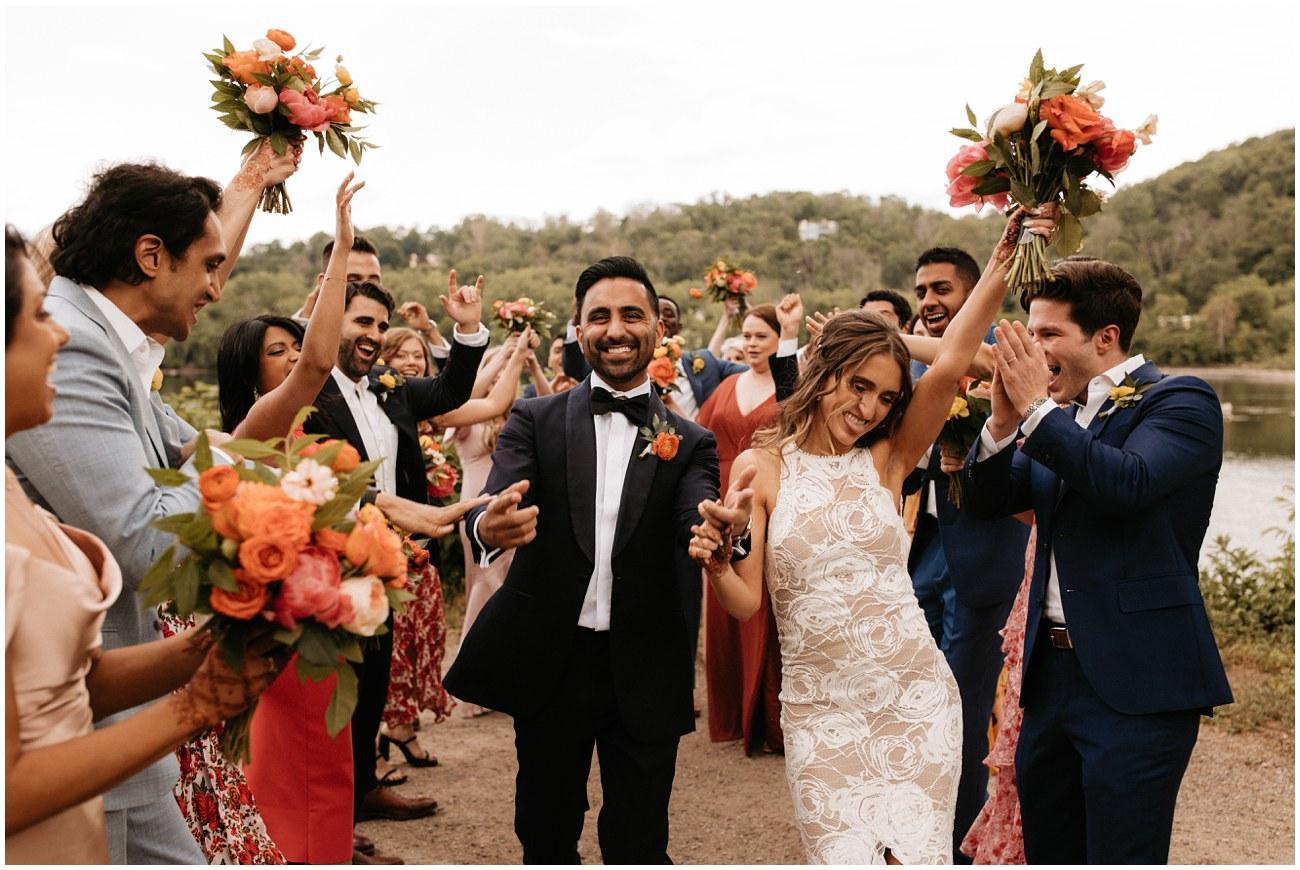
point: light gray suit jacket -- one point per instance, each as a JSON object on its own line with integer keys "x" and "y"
{"x": 87, "y": 466}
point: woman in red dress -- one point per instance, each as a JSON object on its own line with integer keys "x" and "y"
{"x": 742, "y": 660}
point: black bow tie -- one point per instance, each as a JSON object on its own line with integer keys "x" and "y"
{"x": 635, "y": 408}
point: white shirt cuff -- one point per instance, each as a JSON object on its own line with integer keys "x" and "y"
{"x": 787, "y": 347}
{"x": 439, "y": 351}
{"x": 473, "y": 339}
{"x": 1031, "y": 422}
{"x": 570, "y": 333}
{"x": 989, "y": 447}
{"x": 486, "y": 557}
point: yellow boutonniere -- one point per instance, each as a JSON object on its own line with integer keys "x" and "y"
{"x": 697, "y": 364}
{"x": 1126, "y": 395}
{"x": 388, "y": 381}
{"x": 156, "y": 384}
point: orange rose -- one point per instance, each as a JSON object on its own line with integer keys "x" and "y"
{"x": 244, "y": 65}
{"x": 289, "y": 522}
{"x": 218, "y": 485}
{"x": 339, "y": 111}
{"x": 244, "y": 604}
{"x": 281, "y": 38}
{"x": 267, "y": 559}
{"x": 666, "y": 444}
{"x": 347, "y": 460}
{"x": 225, "y": 520}
{"x": 254, "y": 498}
{"x": 696, "y": 293}
{"x": 662, "y": 371}
{"x": 1072, "y": 121}
{"x": 332, "y": 539}
{"x": 376, "y": 549}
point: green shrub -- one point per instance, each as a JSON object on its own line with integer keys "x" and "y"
{"x": 197, "y": 405}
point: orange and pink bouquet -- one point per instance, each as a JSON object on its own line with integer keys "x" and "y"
{"x": 441, "y": 469}
{"x": 279, "y": 547}
{"x": 521, "y": 313}
{"x": 1043, "y": 147}
{"x": 725, "y": 282}
{"x": 278, "y": 96}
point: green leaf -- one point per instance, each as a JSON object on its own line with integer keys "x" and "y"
{"x": 355, "y": 148}
{"x": 978, "y": 169}
{"x": 1072, "y": 193}
{"x": 265, "y": 475}
{"x": 1055, "y": 89}
{"x": 316, "y": 673}
{"x": 199, "y": 535}
{"x": 335, "y": 141}
{"x": 227, "y": 45}
{"x": 992, "y": 184}
{"x": 251, "y": 146}
{"x": 1023, "y": 195}
{"x": 222, "y": 577}
{"x": 186, "y": 586}
{"x": 970, "y": 116}
{"x": 1038, "y": 130}
{"x": 342, "y": 703}
{"x": 317, "y": 645}
{"x": 168, "y": 476}
{"x": 279, "y": 143}
{"x": 1089, "y": 203}
{"x": 300, "y": 418}
{"x": 173, "y": 523}
{"x": 260, "y": 78}
{"x": 250, "y": 448}
{"x": 1072, "y": 73}
{"x": 351, "y": 649}
{"x": 202, "y": 453}
{"x": 156, "y": 584}
{"x": 299, "y": 443}
{"x": 1069, "y": 235}
{"x": 1036, "y": 66}
{"x": 397, "y": 598}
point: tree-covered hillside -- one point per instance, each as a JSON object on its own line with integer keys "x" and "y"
{"x": 1211, "y": 241}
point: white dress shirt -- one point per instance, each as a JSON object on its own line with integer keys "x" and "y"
{"x": 1098, "y": 392}
{"x": 378, "y": 433}
{"x": 146, "y": 354}
{"x": 684, "y": 397}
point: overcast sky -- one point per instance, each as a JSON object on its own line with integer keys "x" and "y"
{"x": 526, "y": 112}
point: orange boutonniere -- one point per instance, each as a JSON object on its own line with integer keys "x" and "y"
{"x": 663, "y": 439}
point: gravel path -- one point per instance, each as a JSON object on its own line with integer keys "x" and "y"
{"x": 1237, "y": 804}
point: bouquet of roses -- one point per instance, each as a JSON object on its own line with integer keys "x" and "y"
{"x": 441, "y": 469}
{"x": 517, "y": 315}
{"x": 725, "y": 282}
{"x": 277, "y": 96}
{"x": 663, "y": 366}
{"x": 279, "y": 547}
{"x": 970, "y": 408}
{"x": 1043, "y": 147}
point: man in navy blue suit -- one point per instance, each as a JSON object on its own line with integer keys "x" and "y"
{"x": 965, "y": 571}
{"x": 1119, "y": 659}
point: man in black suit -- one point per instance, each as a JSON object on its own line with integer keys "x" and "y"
{"x": 586, "y": 643}
{"x": 376, "y": 411}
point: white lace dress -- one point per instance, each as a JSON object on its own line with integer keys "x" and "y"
{"x": 870, "y": 710}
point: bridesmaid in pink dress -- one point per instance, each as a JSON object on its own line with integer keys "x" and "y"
{"x": 742, "y": 660}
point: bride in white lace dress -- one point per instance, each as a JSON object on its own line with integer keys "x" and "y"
{"x": 870, "y": 710}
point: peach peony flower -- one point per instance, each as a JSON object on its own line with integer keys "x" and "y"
{"x": 289, "y": 522}
{"x": 1114, "y": 150}
{"x": 1072, "y": 121}
{"x": 217, "y": 485}
{"x": 283, "y": 39}
{"x": 243, "y": 65}
{"x": 306, "y": 110}
{"x": 375, "y": 548}
{"x": 261, "y": 99}
{"x": 254, "y": 500}
{"x": 312, "y": 591}
{"x": 961, "y": 188}
{"x": 369, "y": 605}
{"x": 665, "y": 445}
{"x": 267, "y": 559}
{"x": 244, "y": 604}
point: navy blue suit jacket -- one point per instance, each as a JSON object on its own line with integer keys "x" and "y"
{"x": 1123, "y": 505}
{"x": 712, "y": 371}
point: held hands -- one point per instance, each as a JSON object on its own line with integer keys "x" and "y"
{"x": 436, "y": 521}
{"x": 1040, "y": 221}
{"x": 789, "y": 312}
{"x": 343, "y": 232}
{"x": 464, "y": 304}
{"x": 711, "y": 545}
{"x": 524, "y": 345}
{"x": 504, "y": 523}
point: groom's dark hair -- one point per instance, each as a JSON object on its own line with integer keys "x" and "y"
{"x": 1098, "y": 293}
{"x": 94, "y": 242}
{"x": 613, "y": 267}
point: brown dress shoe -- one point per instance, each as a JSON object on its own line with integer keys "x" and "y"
{"x": 384, "y": 803}
{"x": 363, "y": 844}
{"x": 375, "y": 858}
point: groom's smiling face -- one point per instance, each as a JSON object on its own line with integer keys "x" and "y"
{"x": 619, "y": 331}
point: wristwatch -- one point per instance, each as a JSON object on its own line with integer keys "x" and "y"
{"x": 1034, "y": 406}
{"x": 741, "y": 544}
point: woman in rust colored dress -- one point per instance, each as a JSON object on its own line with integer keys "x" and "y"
{"x": 742, "y": 660}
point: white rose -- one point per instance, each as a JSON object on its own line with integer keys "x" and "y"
{"x": 369, "y": 604}
{"x": 266, "y": 49}
{"x": 1008, "y": 120}
{"x": 261, "y": 99}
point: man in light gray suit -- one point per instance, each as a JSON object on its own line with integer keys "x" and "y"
{"x": 136, "y": 260}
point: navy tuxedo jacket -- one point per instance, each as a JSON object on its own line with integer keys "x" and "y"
{"x": 515, "y": 654}
{"x": 703, "y": 383}
{"x": 1124, "y": 506}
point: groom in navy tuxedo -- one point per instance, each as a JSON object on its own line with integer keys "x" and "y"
{"x": 1119, "y": 463}
{"x": 586, "y": 643}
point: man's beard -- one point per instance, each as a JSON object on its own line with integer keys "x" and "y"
{"x": 353, "y": 366}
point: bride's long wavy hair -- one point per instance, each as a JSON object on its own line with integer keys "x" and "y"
{"x": 846, "y": 342}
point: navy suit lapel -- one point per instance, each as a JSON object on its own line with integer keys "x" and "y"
{"x": 636, "y": 483}
{"x": 580, "y": 459}
{"x": 336, "y": 418}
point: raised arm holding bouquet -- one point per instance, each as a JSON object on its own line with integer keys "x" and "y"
{"x": 1044, "y": 147}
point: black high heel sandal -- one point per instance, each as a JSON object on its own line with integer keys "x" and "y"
{"x": 386, "y": 743}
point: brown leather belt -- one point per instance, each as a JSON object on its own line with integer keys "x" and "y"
{"x": 1059, "y": 636}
